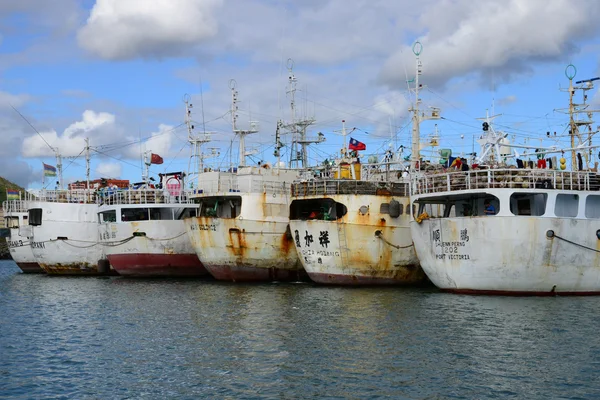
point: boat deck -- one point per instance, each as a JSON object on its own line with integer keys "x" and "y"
{"x": 514, "y": 178}
{"x": 326, "y": 187}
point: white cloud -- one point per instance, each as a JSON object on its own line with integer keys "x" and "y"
{"x": 160, "y": 142}
{"x": 71, "y": 142}
{"x": 463, "y": 37}
{"x": 127, "y": 29}
{"x": 109, "y": 170}
{"x": 15, "y": 100}
{"x": 507, "y": 100}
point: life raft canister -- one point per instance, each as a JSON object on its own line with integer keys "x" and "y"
{"x": 394, "y": 209}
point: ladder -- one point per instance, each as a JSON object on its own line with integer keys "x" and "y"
{"x": 341, "y": 227}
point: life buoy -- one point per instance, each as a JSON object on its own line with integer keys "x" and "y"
{"x": 173, "y": 186}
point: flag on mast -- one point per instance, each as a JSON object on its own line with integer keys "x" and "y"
{"x": 13, "y": 194}
{"x": 356, "y": 145}
{"x": 155, "y": 159}
{"x": 49, "y": 170}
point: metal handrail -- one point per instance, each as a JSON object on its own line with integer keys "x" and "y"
{"x": 506, "y": 178}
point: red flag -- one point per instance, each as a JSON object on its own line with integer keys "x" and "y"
{"x": 156, "y": 159}
{"x": 356, "y": 145}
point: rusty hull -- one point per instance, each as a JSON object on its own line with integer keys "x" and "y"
{"x": 74, "y": 269}
{"x": 245, "y": 250}
{"x": 359, "y": 249}
{"x": 30, "y": 268}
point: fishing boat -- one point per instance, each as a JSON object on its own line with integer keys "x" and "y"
{"x": 242, "y": 230}
{"x": 15, "y": 214}
{"x": 142, "y": 229}
{"x": 64, "y": 228}
{"x": 512, "y": 227}
{"x": 65, "y": 233}
{"x": 351, "y": 223}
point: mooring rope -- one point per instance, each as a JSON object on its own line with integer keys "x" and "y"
{"x": 379, "y": 235}
{"x": 575, "y": 244}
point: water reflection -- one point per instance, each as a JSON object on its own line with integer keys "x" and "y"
{"x": 120, "y": 338}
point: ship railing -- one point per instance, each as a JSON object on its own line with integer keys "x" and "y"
{"x": 218, "y": 185}
{"x": 142, "y": 196}
{"x": 324, "y": 187}
{"x": 513, "y": 178}
{"x": 66, "y": 196}
{"x": 11, "y": 206}
{"x": 389, "y": 170}
{"x": 270, "y": 187}
{"x": 239, "y": 185}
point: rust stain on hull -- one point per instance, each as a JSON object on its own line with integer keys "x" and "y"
{"x": 246, "y": 250}
{"x": 407, "y": 276}
{"x": 30, "y": 268}
{"x": 239, "y": 273}
{"x": 73, "y": 269}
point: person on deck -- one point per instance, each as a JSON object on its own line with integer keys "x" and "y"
{"x": 488, "y": 208}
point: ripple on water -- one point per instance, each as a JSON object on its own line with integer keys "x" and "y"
{"x": 125, "y": 338}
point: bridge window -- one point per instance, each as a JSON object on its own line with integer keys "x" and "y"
{"x": 35, "y": 216}
{"x": 566, "y": 205}
{"x": 533, "y": 204}
{"x": 592, "y": 206}
{"x": 134, "y": 214}
{"x": 107, "y": 216}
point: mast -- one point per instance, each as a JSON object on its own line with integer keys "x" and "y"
{"x": 87, "y": 162}
{"x": 196, "y": 142}
{"x": 146, "y": 171}
{"x": 418, "y": 117}
{"x": 344, "y": 134}
{"x": 572, "y": 123}
{"x": 241, "y": 132}
{"x": 59, "y": 168}
{"x": 298, "y": 128}
{"x": 574, "y": 110}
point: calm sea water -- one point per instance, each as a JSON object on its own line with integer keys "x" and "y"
{"x": 117, "y": 338}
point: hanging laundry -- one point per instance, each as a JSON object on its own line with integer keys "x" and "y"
{"x": 519, "y": 163}
{"x": 541, "y": 163}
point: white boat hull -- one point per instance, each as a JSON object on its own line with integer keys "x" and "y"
{"x": 66, "y": 243}
{"x": 510, "y": 255}
{"x": 21, "y": 253}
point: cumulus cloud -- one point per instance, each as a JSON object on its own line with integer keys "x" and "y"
{"x": 60, "y": 16}
{"x": 15, "y": 100}
{"x": 127, "y": 29}
{"x": 109, "y": 170}
{"x": 72, "y": 141}
{"x": 464, "y": 37}
{"x": 160, "y": 141}
{"x": 507, "y": 100}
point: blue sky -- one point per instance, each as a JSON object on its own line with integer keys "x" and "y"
{"x": 116, "y": 71}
